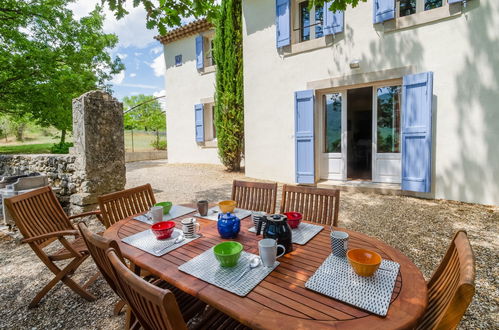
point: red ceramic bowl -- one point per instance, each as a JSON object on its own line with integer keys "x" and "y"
{"x": 163, "y": 229}
{"x": 294, "y": 219}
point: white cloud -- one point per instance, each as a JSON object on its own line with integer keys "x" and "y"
{"x": 156, "y": 50}
{"x": 118, "y": 78}
{"x": 133, "y": 75}
{"x": 122, "y": 56}
{"x": 131, "y": 29}
{"x": 158, "y": 65}
{"x": 137, "y": 54}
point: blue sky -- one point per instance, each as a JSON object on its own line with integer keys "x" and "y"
{"x": 141, "y": 54}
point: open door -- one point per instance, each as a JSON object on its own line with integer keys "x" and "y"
{"x": 417, "y": 94}
{"x": 387, "y": 133}
{"x": 332, "y": 143}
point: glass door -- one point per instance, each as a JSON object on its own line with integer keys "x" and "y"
{"x": 386, "y": 134}
{"x": 332, "y": 132}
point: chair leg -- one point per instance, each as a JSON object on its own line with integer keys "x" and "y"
{"x": 62, "y": 275}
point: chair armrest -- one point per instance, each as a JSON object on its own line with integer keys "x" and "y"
{"x": 61, "y": 233}
{"x": 85, "y": 214}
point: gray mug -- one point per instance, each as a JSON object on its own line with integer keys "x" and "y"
{"x": 339, "y": 243}
{"x": 203, "y": 208}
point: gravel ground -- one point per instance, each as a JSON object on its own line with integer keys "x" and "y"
{"x": 421, "y": 229}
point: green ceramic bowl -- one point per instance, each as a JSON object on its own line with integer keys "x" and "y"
{"x": 228, "y": 253}
{"x": 167, "y": 206}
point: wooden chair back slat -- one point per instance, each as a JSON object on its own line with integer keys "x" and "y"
{"x": 154, "y": 307}
{"x": 97, "y": 247}
{"x": 452, "y": 286}
{"x": 37, "y": 213}
{"x": 315, "y": 204}
{"x": 123, "y": 204}
{"x": 255, "y": 196}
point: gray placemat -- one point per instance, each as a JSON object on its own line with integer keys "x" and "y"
{"x": 336, "y": 278}
{"x": 301, "y": 235}
{"x": 175, "y": 212}
{"x": 206, "y": 267}
{"x": 146, "y": 241}
{"x": 214, "y": 211}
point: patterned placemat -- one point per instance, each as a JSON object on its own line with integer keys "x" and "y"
{"x": 146, "y": 241}
{"x": 214, "y": 211}
{"x": 336, "y": 278}
{"x": 175, "y": 212}
{"x": 301, "y": 235}
{"x": 206, "y": 267}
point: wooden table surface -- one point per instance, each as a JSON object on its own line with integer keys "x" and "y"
{"x": 281, "y": 300}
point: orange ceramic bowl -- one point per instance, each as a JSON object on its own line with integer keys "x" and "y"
{"x": 227, "y": 206}
{"x": 364, "y": 262}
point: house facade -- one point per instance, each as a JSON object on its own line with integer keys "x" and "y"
{"x": 398, "y": 92}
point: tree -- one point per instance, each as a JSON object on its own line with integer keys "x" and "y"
{"x": 146, "y": 114}
{"x": 47, "y": 58}
{"x": 165, "y": 14}
{"x": 229, "y": 102}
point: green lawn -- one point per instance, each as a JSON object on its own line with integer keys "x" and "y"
{"x": 40, "y": 148}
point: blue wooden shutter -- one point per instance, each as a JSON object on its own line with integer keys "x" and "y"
{"x": 199, "y": 52}
{"x": 304, "y": 135}
{"x": 383, "y": 10}
{"x": 417, "y": 93}
{"x": 199, "y": 120}
{"x": 282, "y": 23}
{"x": 332, "y": 22}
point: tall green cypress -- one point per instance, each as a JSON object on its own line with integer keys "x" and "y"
{"x": 229, "y": 101}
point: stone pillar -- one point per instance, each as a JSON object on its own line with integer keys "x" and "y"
{"x": 99, "y": 147}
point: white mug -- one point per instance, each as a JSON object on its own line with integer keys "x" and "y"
{"x": 267, "y": 249}
{"x": 190, "y": 227}
{"x": 156, "y": 213}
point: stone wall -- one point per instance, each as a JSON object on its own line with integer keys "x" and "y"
{"x": 96, "y": 163}
{"x": 60, "y": 170}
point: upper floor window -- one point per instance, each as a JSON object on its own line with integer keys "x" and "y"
{"x": 409, "y": 7}
{"x": 205, "y": 61}
{"x": 307, "y": 22}
{"x": 208, "y": 46}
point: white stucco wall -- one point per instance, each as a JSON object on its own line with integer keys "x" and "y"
{"x": 462, "y": 52}
{"x": 185, "y": 87}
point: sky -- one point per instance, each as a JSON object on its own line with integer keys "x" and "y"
{"x": 141, "y": 54}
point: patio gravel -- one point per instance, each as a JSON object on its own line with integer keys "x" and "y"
{"x": 421, "y": 229}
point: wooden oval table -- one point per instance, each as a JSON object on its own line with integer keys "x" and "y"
{"x": 281, "y": 300}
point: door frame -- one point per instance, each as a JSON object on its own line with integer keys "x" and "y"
{"x": 394, "y": 157}
{"x": 322, "y": 157}
{"x": 319, "y": 125}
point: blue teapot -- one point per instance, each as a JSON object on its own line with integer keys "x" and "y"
{"x": 228, "y": 225}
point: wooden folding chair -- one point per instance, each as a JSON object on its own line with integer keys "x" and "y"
{"x": 157, "y": 308}
{"x": 123, "y": 204}
{"x": 255, "y": 196}
{"x": 41, "y": 220}
{"x": 315, "y": 204}
{"x": 98, "y": 245}
{"x": 452, "y": 286}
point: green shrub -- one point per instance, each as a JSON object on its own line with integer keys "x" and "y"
{"x": 61, "y": 148}
{"x": 159, "y": 145}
